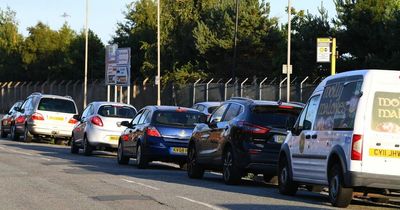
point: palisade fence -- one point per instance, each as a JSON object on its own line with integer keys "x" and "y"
{"x": 142, "y": 93}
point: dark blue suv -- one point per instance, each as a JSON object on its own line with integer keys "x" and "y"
{"x": 158, "y": 133}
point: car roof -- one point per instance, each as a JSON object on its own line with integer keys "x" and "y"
{"x": 265, "y": 102}
{"x": 52, "y": 96}
{"x": 171, "y": 108}
{"x": 97, "y": 104}
{"x": 209, "y": 103}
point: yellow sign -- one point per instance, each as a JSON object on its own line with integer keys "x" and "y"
{"x": 384, "y": 153}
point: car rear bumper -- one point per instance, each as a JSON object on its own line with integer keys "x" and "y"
{"x": 104, "y": 138}
{"x": 164, "y": 152}
{"x": 55, "y": 131}
{"x": 369, "y": 180}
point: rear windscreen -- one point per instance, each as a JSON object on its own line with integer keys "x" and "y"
{"x": 187, "y": 119}
{"x": 274, "y": 116}
{"x": 117, "y": 111}
{"x": 57, "y": 105}
{"x": 386, "y": 112}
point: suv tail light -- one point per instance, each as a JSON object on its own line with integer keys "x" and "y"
{"x": 37, "y": 116}
{"x": 20, "y": 119}
{"x": 253, "y": 129}
{"x": 125, "y": 137}
{"x": 152, "y": 131}
{"x": 72, "y": 121}
{"x": 97, "y": 121}
{"x": 356, "y": 147}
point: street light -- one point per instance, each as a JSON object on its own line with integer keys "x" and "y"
{"x": 158, "y": 56}
{"x": 235, "y": 39}
{"x": 86, "y": 55}
{"x": 288, "y": 52}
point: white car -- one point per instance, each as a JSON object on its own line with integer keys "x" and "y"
{"x": 207, "y": 107}
{"x": 347, "y": 137}
{"x": 99, "y": 126}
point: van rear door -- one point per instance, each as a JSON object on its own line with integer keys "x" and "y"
{"x": 381, "y": 139}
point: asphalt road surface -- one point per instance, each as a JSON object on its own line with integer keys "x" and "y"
{"x": 44, "y": 176}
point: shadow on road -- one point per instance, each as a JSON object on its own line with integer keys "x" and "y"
{"x": 105, "y": 162}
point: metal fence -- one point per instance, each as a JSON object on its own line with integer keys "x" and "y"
{"x": 142, "y": 93}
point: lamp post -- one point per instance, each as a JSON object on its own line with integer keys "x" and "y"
{"x": 86, "y": 55}
{"x": 158, "y": 56}
{"x": 235, "y": 39}
{"x": 288, "y": 52}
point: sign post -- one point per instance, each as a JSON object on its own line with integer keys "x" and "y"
{"x": 326, "y": 52}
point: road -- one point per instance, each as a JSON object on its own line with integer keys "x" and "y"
{"x": 44, "y": 176}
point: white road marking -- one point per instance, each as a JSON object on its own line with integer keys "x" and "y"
{"x": 16, "y": 151}
{"x": 141, "y": 184}
{"x": 48, "y": 159}
{"x": 198, "y": 202}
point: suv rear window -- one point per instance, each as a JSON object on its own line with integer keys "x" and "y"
{"x": 186, "y": 119}
{"x": 116, "y": 111}
{"x": 57, "y": 105}
{"x": 274, "y": 116}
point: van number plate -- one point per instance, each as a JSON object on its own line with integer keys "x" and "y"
{"x": 384, "y": 153}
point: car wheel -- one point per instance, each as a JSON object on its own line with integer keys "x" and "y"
{"x": 122, "y": 160}
{"x": 194, "y": 170}
{"x": 87, "y": 148}
{"x": 231, "y": 173}
{"x": 339, "y": 196}
{"x": 14, "y": 134}
{"x": 3, "y": 134}
{"x": 74, "y": 147}
{"x": 141, "y": 161}
{"x": 285, "y": 180}
{"x": 27, "y": 135}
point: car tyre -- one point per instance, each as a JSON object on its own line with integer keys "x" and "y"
{"x": 230, "y": 173}
{"x": 141, "y": 160}
{"x": 121, "y": 158}
{"x": 87, "y": 148}
{"x": 339, "y": 195}
{"x": 285, "y": 180}
{"x": 14, "y": 134}
{"x": 194, "y": 170}
{"x": 27, "y": 135}
{"x": 3, "y": 134}
{"x": 74, "y": 147}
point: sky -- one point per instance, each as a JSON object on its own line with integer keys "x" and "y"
{"x": 104, "y": 14}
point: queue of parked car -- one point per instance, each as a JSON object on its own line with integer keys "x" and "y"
{"x": 345, "y": 137}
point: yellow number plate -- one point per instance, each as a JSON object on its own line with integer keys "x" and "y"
{"x": 56, "y": 118}
{"x": 181, "y": 150}
{"x": 113, "y": 138}
{"x": 384, "y": 153}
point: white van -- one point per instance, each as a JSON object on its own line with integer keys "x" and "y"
{"x": 347, "y": 137}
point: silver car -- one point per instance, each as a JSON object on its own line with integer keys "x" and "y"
{"x": 99, "y": 126}
{"x": 207, "y": 107}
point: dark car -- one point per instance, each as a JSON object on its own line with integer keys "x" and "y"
{"x": 242, "y": 136}
{"x": 158, "y": 133}
{"x": 8, "y": 119}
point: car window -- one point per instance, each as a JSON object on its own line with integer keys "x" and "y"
{"x": 135, "y": 120}
{"x": 26, "y": 104}
{"x": 177, "y": 118}
{"x": 309, "y": 113}
{"x": 217, "y": 115}
{"x": 201, "y": 108}
{"x": 144, "y": 116}
{"x": 148, "y": 117}
{"x": 85, "y": 112}
{"x": 211, "y": 109}
{"x": 57, "y": 105}
{"x": 116, "y": 111}
{"x": 232, "y": 112}
{"x": 18, "y": 104}
{"x": 274, "y": 116}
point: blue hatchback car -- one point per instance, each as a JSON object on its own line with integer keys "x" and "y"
{"x": 158, "y": 133}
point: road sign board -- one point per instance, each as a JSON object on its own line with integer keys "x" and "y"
{"x": 323, "y": 50}
{"x": 284, "y": 69}
{"x": 118, "y": 65}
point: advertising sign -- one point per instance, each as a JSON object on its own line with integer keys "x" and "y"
{"x": 323, "y": 50}
{"x": 118, "y": 66}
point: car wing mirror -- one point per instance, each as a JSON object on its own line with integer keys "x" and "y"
{"x": 125, "y": 124}
{"x": 77, "y": 117}
{"x": 213, "y": 122}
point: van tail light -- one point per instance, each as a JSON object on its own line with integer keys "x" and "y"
{"x": 125, "y": 137}
{"x": 37, "y": 116}
{"x": 253, "y": 129}
{"x": 152, "y": 131}
{"x": 97, "y": 121}
{"x": 356, "y": 147}
{"x": 20, "y": 119}
{"x": 72, "y": 121}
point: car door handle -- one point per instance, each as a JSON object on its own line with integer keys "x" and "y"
{"x": 308, "y": 136}
{"x": 205, "y": 135}
{"x": 314, "y": 136}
